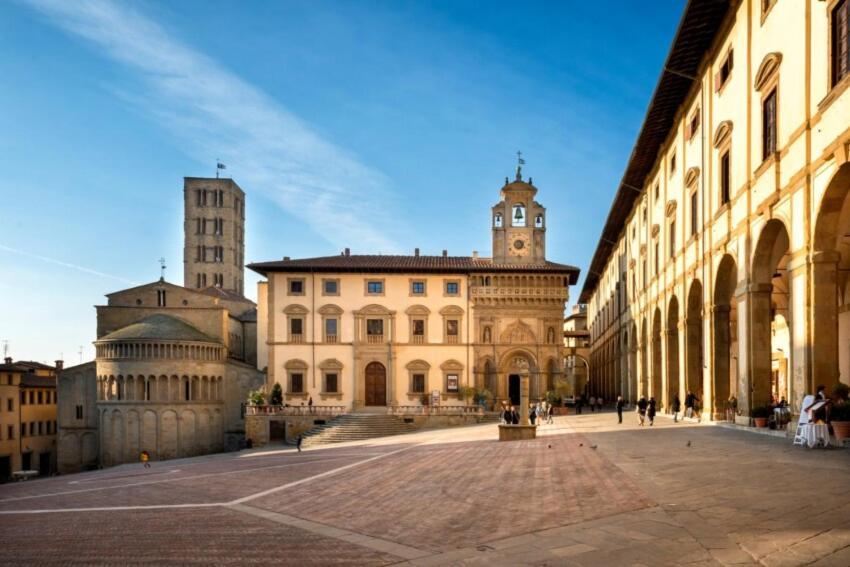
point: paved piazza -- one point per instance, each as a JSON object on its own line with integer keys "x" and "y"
{"x": 641, "y": 497}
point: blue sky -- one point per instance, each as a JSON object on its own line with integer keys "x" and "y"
{"x": 381, "y": 126}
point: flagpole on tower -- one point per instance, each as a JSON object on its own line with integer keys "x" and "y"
{"x": 218, "y": 167}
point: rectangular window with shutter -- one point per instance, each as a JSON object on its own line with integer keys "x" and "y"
{"x": 331, "y": 383}
{"x": 672, "y": 238}
{"x": 694, "y": 213}
{"x": 724, "y": 72}
{"x": 840, "y": 41}
{"x": 725, "y": 178}
{"x": 418, "y": 385}
{"x": 768, "y": 126}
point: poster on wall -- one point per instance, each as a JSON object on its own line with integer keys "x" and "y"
{"x": 451, "y": 383}
{"x": 435, "y": 397}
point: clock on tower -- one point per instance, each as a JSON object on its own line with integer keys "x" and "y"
{"x": 518, "y": 224}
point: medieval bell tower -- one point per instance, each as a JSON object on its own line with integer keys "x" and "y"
{"x": 518, "y": 224}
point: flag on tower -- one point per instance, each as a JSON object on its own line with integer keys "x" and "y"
{"x": 220, "y": 165}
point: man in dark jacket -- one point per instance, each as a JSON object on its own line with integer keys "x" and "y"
{"x": 677, "y": 406}
{"x": 621, "y": 403}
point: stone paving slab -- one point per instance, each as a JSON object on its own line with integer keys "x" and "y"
{"x": 442, "y": 497}
{"x": 456, "y": 497}
{"x": 200, "y": 537}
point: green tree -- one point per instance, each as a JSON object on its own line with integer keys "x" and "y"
{"x": 277, "y": 395}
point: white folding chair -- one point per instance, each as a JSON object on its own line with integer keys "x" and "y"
{"x": 799, "y": 438}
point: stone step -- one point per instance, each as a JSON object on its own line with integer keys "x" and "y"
{"x": 356, "y": 427}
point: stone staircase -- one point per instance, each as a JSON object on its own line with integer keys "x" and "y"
{"x": 354, "y": 427}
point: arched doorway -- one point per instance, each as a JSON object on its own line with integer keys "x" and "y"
{"x": 376, "y": 384}
{"x": 643, "y": 382}
{"x": 657, "y": 378}
{"x": 725, "y": 312}
{"x": 693, "y": 336}
{"x": 512, "y": 366}
{"x": 769, "y": 316}
{"x": 633, "y": 367}
{"x": 672, "y": 350}
{"x": 830, "y": 270}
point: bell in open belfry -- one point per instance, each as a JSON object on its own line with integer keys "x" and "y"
{"x": 518, "y": 215}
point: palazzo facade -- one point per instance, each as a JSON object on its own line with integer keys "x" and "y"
{"x": 723, "y": 265}
{"x": 375, "y": 330}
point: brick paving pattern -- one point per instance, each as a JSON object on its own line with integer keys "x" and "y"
{"x": 641, "y": 497}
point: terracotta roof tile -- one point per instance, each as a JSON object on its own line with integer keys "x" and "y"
{"x": 408, "y": 264}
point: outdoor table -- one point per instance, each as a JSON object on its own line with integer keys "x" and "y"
{"x": 816, "y": 433}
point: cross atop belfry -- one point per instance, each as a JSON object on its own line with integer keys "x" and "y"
{"x": 519, "y": 163}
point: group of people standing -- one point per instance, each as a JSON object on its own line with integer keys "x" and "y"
{"x": 536, "y": 414}
{"x": 593, "y": 402}
{"x": 646, "y": 409}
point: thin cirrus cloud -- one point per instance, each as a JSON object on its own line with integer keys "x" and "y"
{"x": 216, "y": 113}
{"x": 69, "y": 265}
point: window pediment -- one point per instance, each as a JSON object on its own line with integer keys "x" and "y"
{"x": 417, "y": 365}
{"x": 769, "y": 66}
{"x": 417, "y": 310}
{"x": 330, "y": 309}
{"x": 330, "y": 364}
{"x": 724, "y": 130}
{"x": 451, "y": 310}
{"x": 295, "y": 364}
{"x": 691, "y": 176}
{"x": 451, "y": 365}
{"x": 374, "y": 309}
{"x": 295, "y": 309}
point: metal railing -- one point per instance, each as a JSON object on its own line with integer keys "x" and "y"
{"x": 296, "y": 410}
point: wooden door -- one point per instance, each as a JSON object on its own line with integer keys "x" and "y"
{"x": 376, "y": 384}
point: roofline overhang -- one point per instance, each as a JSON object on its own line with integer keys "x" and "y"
{"x": 696, "y": 32}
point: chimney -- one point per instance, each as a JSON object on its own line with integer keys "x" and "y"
{"x": 475, "y": 254}
{"x": 445, "y": 253}
{"x": 348, "y": 251}
{"x": 8, "y": 360}
{"x": 59, "y": 365}
{"x": 416, "y": 252}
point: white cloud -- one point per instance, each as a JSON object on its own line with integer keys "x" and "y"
{"x": 64, "y": 264}
{"x": 220, "y": 115}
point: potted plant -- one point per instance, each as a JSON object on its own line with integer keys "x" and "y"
{"x": 841, "y": 392}
{"x": 256, "y": 398}
{"x": 760, "y": 415}
{"x": 276, "y": 398}
{"x": 839, "y": 416}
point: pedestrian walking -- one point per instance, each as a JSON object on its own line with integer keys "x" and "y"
{"x": 550, "y": 414}
{"x": 579, "y": 402}
{"x": 592, "y": 403}
{"x": 620, "y": 405}
{"x": 650, "y": 411}
{"x": 514, "y": 416}
{"x": 677, "y": 406}
{"x": 310, "y": 404}
{"x": 298, "y": 442}
{"x": 599, "y": 404}
{"x": 145, "y": 458}
{"x": 532, "y": 413}
{"x": 641, "y": 410}
{"x": 690, "y": 404}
